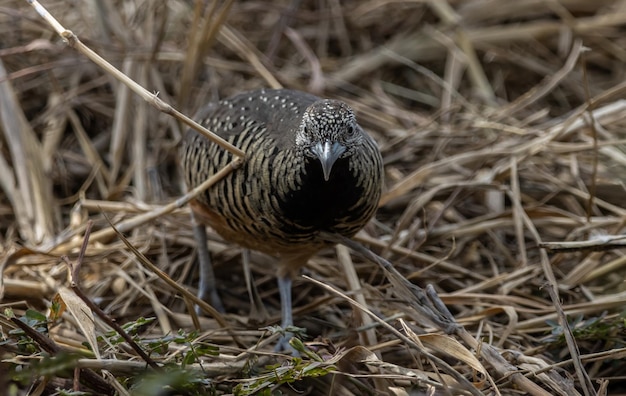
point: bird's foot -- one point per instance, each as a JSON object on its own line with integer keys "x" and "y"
{"x": 212, "y": 298}
{"x": 283, "y": 345}
{"x": 290, "y": 340}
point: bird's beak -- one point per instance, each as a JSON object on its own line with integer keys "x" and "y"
{"x": 328, "y": 153}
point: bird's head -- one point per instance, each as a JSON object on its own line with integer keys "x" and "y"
{"x": 329, "y": 131}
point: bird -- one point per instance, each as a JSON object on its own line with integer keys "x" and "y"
{"x": 309, "y": 168}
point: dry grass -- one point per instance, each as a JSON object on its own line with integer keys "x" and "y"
{"x": 502, "y": 128}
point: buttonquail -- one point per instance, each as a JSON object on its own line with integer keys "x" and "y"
{"x": 309, "y": 167}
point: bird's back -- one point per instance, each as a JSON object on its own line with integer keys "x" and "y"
{"x": 278, "y": 200}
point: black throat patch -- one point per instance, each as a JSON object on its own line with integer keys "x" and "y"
{"x": 319, "y": 204}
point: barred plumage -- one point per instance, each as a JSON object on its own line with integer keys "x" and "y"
{"x": 309, "y": 167}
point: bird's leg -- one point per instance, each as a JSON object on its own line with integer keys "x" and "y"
{"x": 207, "y": 290}
{"x": 257, "y": 309}
{"x": 284, "y": 288}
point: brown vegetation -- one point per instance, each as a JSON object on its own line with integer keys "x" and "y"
{"x": 502, "y": 129}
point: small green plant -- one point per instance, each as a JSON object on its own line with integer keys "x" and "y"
{"x": 591, "y": 329}
{"x": 33, "y": 319}
{"x": 132, "y": 328}
{"x": 173, "y": 380}
{"x": 196, "y": 349}
{"x": 295, "y": 369}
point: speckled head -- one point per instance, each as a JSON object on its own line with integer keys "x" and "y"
{"x": 329, "y": 131}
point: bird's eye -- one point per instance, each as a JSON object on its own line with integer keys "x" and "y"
{"x": 351, "y": 131}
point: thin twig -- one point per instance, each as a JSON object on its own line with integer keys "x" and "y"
{"x": 73, "y": 41}
{"x": 75, "y": 286}
{"x": 48, "y": 345}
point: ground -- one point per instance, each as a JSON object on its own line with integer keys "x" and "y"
{"x": 502, "y": 130}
